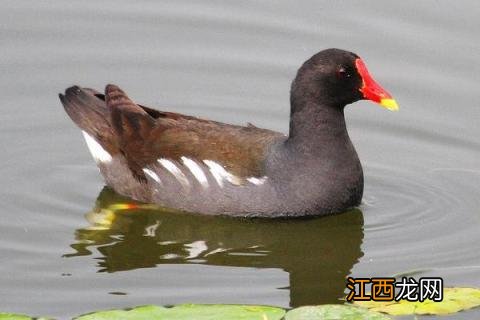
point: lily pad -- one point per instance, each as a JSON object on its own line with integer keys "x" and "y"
{"x": 12, "y": 316}
{"x": 334, "y": 312}
{"x": 454, "y": 300}
{"x": 190, "y": 311}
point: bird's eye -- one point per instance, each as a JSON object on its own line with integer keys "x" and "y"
{"x": 342, "y": 72}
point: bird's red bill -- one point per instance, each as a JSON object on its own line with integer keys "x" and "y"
{"x": 371, "y": 90}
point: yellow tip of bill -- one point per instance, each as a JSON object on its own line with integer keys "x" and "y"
{"x": 389, "y": 104}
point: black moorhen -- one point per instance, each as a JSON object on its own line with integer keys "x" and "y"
{"x": 203, "y": 166}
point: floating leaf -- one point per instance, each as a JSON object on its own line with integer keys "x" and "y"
{"x": 11, "y": 316}
{"x": 190, "y": 311}
{"x": 333, "y": 312}
{"x": 454, "y": 300}
{"x": 144, "y": 312}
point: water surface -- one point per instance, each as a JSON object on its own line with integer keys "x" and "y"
{"x": 233, "y": 62}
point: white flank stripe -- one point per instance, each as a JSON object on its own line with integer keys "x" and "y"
{"x": 97, "y": 151}
{"x": 220, "y": 174}
{"x": 257, "y": 181}
{"x": 152, "y": 175}
{"x": 196, "y": 171}
{"x": 170, "y": 166}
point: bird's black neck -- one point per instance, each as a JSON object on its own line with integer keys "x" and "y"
{"x": 316, "y": 127}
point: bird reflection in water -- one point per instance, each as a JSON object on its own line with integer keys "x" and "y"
{"x": 318, "y": 253}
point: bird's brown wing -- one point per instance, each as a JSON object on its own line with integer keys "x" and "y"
{"x": 145, "y": 135}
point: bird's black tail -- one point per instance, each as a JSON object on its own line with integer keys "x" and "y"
{"x": 87, "y": 108}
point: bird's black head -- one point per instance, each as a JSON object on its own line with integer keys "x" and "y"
{"x": 334, "y": 78}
